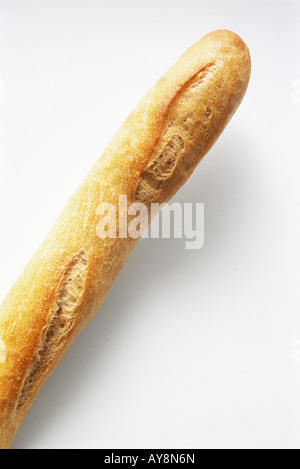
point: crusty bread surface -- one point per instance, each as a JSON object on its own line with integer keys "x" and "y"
{"x": 151, "y": 156}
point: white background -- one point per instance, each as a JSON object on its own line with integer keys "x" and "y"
{"x": 192, "y": 349}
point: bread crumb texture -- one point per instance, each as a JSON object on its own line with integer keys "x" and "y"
{"x": 186, "y": 134}
{"x": 61, "y": 322}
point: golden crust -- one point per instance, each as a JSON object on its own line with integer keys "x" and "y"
{"x": 151, "y": 156}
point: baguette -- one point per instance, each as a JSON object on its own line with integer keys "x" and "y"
{"x": 149, "y": 159}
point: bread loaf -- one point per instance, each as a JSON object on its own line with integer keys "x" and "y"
{"x": 148, "y": 160}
